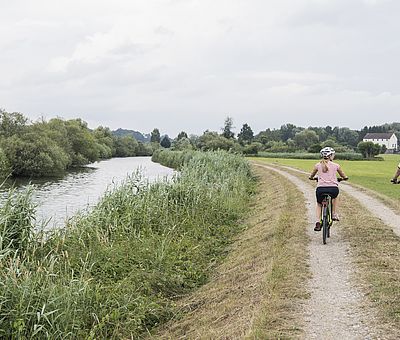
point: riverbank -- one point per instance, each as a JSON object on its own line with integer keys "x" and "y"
{"x": 117, "y": 271}
{"x": 258, "y": 290}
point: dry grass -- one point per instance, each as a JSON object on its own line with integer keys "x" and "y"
{"x": 376, "y": 251}
{"x": 257, "y": 290}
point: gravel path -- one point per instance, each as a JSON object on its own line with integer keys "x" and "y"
{"x": 334, "y": 309}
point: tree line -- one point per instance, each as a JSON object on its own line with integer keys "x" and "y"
{"x": 48, "y": 148}
{"x": 288, "y": 138}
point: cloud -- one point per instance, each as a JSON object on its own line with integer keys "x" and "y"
{"x": 187, "y": 64}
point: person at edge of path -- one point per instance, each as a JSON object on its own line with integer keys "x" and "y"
{"x": 396, "y": 175}
{"x": 327, "y": 182}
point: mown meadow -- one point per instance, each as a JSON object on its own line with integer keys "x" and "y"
{"x": 372, "y": 174}
{"x": 117, "y": 271}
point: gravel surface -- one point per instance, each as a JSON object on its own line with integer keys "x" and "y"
{"x": 334, "y": 310}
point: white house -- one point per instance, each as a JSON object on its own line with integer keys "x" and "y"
{"x": 387, "y": 139}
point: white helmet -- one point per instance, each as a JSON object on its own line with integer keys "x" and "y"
{"x": 327, "y": 152}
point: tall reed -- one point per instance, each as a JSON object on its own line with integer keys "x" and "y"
{"x": 116, "y": 271}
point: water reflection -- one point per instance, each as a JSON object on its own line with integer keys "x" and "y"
{"x": 60, "y": 198}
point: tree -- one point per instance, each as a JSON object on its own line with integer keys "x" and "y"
{"x": 105, "y": 139}
{"x": 183, "y": 144}
{"x": 288, "y": 131}
{"x": 245, "y": 135}
{"x": 33, "y": 154}
{"x": 126, "y": 146}
{"x": 347, "y": 136}
{"x": 214, "y": 141}
{"x": 11, "y": 123}
{"x": 227, "y": 129}
{"x": 83, "y": 144}
{"x": 369, "y": 149}
{"x": 155, "y": 136}
{"x": 181, "y": 135}
{"x": 165, "y": 142}
{"x": 306, "y": 138}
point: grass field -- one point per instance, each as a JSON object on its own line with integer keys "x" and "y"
{"x": 374, "y": 175}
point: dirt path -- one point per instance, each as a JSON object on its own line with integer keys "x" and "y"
{"x": 334, "y": 310}
{"x": 375, "y": 206}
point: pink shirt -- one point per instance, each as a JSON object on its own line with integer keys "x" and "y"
{"x": 327, "y": 179}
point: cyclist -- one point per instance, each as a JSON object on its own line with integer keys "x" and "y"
{"x": 327, "y": 182}
{"x": 396, "y": 175}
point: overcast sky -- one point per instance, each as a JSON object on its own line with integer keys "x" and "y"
{"x": 188, "y": 64}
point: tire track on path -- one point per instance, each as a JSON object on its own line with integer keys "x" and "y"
{"x": 334, "y": 310}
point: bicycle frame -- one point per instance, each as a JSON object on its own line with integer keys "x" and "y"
{"x": 326, "y": 216}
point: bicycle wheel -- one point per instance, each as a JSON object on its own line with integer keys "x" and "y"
{"x": 325, "y": 226}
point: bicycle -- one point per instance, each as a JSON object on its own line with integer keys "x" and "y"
{"x": 326, "y": 212}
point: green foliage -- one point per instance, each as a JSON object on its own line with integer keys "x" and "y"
{"x": 11, "y": 123}
{"x": 246, "y": 135}
{"x": 252, "y": 149}
{"x": 227, "y": 129}
{"x": 115, "y": 272}
{"x": 83, "y": 143}
{"x": 306, "y": 138}
{"x": 49, "y": 148}
{"x": 126, "y": 146}
{"x": 369, "y": 149}
{"x": 181, "y": 135}
{"x": 212, "y": 141}
{"x": 155, "y": 136}
{"x": 5, "y": 167}
{"x": 32, "y": 154}
{"x": 105, "y": 142}
{"x": 315, "y": 148}
{"x": 165, "y": 142}
{"x": 17, "y": 220}
{"x": 182, "y": 144}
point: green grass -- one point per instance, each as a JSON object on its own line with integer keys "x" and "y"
{"x": 117, "y": 271}
{"x": 374, "y": 175}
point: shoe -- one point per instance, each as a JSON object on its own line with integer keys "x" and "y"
{"x": 335, "y": 217}
{"x": 317, "y": 226}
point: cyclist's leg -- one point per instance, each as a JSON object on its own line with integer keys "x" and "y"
{"x": 335, "y": 205}
{"x": 318, "y": 207}
{"x": 318, "y": 212}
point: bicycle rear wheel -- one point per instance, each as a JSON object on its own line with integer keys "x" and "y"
{"x": 325, "y": 226}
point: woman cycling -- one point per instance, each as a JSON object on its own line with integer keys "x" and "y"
{"x": 327, "y": 182}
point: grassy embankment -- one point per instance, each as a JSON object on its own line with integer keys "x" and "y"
{"x": 257, "y": 291}
{"x": 117, "y": 271}
{"x": 373, "y": 175}
{"x": 375, "y": 248}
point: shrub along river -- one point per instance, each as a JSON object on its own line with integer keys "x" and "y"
{"x": 60, "y": 198}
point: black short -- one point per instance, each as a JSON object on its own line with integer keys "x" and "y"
{"x": 332, "y": 191}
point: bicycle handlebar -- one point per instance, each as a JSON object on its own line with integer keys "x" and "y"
{"x": 339, "y": 179}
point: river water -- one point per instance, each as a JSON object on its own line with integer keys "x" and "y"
{"x": 60, "y": 198}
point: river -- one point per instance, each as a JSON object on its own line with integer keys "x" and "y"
{"x": 60, "y": 198}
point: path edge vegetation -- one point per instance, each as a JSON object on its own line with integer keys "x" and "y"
{"x": 257, "y": 292}
{"x": 117, "y": 271}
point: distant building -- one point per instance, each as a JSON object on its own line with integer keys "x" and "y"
{"x": 387, "y": 139}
